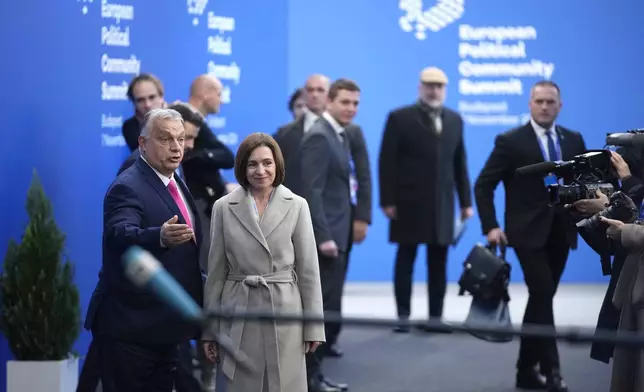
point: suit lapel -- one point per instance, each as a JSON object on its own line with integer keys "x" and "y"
{"x": 240, "y": 206}
{"x": 277, "y": 210}
{"x": 533, "y": 145}
{"x": 156, "y": 183}
{"x": 567, "y": 150}
{"x": 342, "y": 151}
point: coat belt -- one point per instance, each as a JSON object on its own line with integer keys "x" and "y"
{"x": 255, "y": 282}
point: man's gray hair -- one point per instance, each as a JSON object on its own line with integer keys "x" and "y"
{"x": 158, "y": 114}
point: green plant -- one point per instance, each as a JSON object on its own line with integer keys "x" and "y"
{"x": 39, "y": 302}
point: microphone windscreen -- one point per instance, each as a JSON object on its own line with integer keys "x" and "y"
{"x": 541, "y": 168}
{"x": 146, "y": 272}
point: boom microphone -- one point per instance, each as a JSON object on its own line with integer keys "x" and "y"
{"x": 541, "y": 168}
{"x": 146, "y": 272}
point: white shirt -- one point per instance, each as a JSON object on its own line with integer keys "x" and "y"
{"x": 309, "y": 119}
{"x": 543, "y": 138}
{"x": 339, "y": 129}
{"x": 166, "y": 180}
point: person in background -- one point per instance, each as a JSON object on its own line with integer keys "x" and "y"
{"x": 540, "y": 233}
{"x": 210, "y": 155}
{"x": 314, "y": 97}
{"x": 297, "y": 103}
{"x": 289, "y": 136}
{"x": 326, "y": 179}
{"x": 148, "y": 206}
{"x": 628, "y": 362}
{"x": 422, "y": 162}
{"x": 263, "y": 255}
{"x": 146, "y": 93}
{"x": 628, "y": 165}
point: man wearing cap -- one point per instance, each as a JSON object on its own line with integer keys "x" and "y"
{"x": 422, "y": 159}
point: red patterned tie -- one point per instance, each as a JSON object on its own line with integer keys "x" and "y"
{"x": 174, "y": 192}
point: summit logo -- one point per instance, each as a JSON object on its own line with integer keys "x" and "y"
{"x": 435, "y": 18}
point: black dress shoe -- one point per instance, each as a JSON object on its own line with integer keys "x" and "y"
{"x": 403, "y": 327}
{"x": 333, "y": 384}
{"x": 530, "y": 379}
{"x": 317, "y": 384}
{"x": 333, "y": 351}
{"x": 435, "y": 326}
{"x": 556, "y": 384}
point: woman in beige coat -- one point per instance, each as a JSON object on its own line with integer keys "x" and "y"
{"x": 628, "y": 362}
{"x": 263, "y": 258}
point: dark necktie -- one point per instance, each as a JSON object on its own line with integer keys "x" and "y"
{"x": 552, "y": 150}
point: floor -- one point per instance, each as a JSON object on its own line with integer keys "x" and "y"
{"x": 575, "y": 305}
{"x": 379, "y": 360}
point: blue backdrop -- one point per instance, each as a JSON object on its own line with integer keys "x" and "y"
{"x": 67, "y": 64}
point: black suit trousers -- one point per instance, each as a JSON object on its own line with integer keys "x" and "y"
{"x": 91, "y": 371}
{"x": 348, "y": 258}
{"x": 542, "y": 270}
{"x": 132, "y": 367}
{"x": 436, "y": 278}
{"x": 332, "y": 272}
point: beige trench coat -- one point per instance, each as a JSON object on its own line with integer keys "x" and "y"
{"x": 628, "y": 363}
{"x": 270, "y": 265}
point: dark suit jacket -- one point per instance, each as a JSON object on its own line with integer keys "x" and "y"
{"x": 528, "y": 217}
{"x": 360, "y": 156}
{"x": 420, "y": 171}
{"x": 201, "y": 167}
{"x": 135, "y": 207}
{"x": 289, "y": 138}
{"x": 325, "y": 176}
{"x": 131, "y": 130}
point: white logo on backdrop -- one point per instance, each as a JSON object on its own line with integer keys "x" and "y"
{"x": 435, "y": 18}
{"x": 196, "y": 8}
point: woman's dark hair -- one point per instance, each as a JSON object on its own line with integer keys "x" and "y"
{"x": 245, "y": 150}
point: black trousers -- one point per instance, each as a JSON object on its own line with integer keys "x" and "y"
{"x": 130, "y": 367}
{"x": 348, "y": 257}
{"x": 542, "y": 270}
{"x": 184, "y": 378}
{"x": 436, "y": 278}
{"x": 332, "y": 271}
{"x": 91, "y": 370}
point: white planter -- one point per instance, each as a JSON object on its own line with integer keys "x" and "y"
{"x": 37, "y": 376}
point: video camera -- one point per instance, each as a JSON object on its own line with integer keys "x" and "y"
{"x": 589, "y": 172}
{"x": 631, "y": 138}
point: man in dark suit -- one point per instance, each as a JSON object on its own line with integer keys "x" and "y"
{"x": 90, "y": 373}
{"x": 146, "y": 92}
{"x": 326, "y": 178}
{"x": 147, "y": 205}
{"x": 289, "y": 137}
{"x": 541, "y": 235}
{"x": 210, "y": 155}
{"x": 422, "y": 161}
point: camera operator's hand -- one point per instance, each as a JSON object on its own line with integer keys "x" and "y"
{"x": 614, "y": 230}
{"x": 589, "y": 207}
{"x": 620, "y": 165}
{"x": 496, "y": 236}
